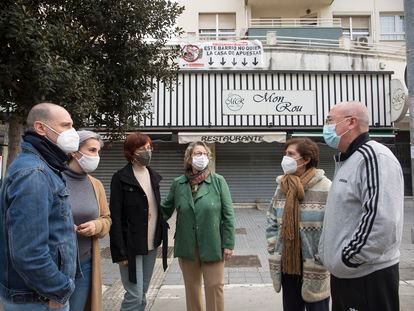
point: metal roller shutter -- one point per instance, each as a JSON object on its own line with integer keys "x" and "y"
{"x": 112, "y": 159}
{"x": 250, "y": 169}
{"x": 167, "y": 160}
{"x": 326, "y": 159}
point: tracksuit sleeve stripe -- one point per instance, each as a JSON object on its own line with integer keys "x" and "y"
{"x": 370, "y": 209}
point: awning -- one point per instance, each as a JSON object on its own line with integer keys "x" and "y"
{"x": 155, "y": 136}
{"x": 231, "y": 137}
{"x": 389, "y": 134}
{"x": 307, "y": 134}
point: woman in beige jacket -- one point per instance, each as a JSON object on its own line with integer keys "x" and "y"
{"x": 92, "y": 221}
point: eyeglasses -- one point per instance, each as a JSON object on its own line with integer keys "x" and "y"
{"x": 329, "y": 120}
{"x": 198, "y": 154}
{"x": 148, "y": 148}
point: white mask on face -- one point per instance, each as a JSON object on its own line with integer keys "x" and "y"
{"x": 200, "y": 162}
{"x": 289, "y": 165}
{"x": 67, "y": 141}
{"x": 88, "y": 163}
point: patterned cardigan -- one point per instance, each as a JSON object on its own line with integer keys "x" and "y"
{"x": 315, "y": 285}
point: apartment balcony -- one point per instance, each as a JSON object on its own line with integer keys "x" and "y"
{"x": 323, "y": 28}
{"x": 324, "y": 36}
{"x": 288, "y": 3}
{"x": 217, "y": 35}
{"x": 273, "y": 42}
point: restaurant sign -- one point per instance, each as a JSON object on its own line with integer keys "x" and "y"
{"x": 231, "y": 137}
{"x": 269, "y": 102}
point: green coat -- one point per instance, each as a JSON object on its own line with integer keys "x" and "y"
{"x": 207, "y": 220}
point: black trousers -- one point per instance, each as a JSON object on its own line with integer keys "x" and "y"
{"x": 292, "y": 296}
{"x": 377, "y": 291}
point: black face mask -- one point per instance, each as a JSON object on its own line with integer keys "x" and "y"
{"x": 143, "y": 157}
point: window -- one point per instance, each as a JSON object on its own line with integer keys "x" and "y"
{"x": 355, "y": 26}
{"x": 392, "y": 27}
{"x": 217, "y": 26}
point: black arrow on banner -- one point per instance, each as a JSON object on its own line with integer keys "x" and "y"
{"x": 211, "y": 61}
{"x": 222, "y": 61}
{"x": 255, "y": 62}
{"x": 244, "y": 62}
{"x": 234, "y": 62}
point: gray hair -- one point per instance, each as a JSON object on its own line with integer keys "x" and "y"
{"x": 189, "y": 152}
{"x": 86, "y": 135}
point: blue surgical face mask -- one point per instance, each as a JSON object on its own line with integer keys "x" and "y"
{"x": 330, "y": 136}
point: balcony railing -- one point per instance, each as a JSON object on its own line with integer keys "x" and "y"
{"x": 393, "y": 36}
{"x": 294, "y": 22}
{"x": 343, "y": 45}
{"x": 221, "y": 35}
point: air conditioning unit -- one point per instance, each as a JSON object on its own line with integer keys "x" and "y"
{"x": 363, "y": 42}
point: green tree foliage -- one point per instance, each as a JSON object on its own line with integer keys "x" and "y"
{"x": 98, "y": 58}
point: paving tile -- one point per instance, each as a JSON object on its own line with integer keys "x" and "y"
{"x": 236, "y": 274}
{"x": 251, "y": 243}
{"x": 238, "y": 280}
{"x": 254, "y": 280}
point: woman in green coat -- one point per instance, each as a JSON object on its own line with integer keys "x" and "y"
{"x": 204, "y": 236}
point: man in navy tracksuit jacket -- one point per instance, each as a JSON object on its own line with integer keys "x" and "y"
{"x": 363, "y": 221}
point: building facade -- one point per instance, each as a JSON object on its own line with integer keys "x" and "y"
{"x": 257, "y": 72}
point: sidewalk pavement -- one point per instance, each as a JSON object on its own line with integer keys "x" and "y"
{"x": 247, "y": 281}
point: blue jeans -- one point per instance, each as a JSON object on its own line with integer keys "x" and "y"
{"x": 134, "y": 298}
{"x": 82, "y": 287}
{"x": 31, "y": 307}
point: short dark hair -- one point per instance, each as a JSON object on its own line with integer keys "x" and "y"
{"x": 307, "y": 149}
{"x": 133, "y": 142}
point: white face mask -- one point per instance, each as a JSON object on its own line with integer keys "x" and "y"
{"x": 67, "y": 141}
{"x": 88, "y": 163}
{"x": 200, "y": 162}
{"x": 289, "y": 165}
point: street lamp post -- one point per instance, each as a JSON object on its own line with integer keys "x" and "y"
{"x": 409, "y": 37}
